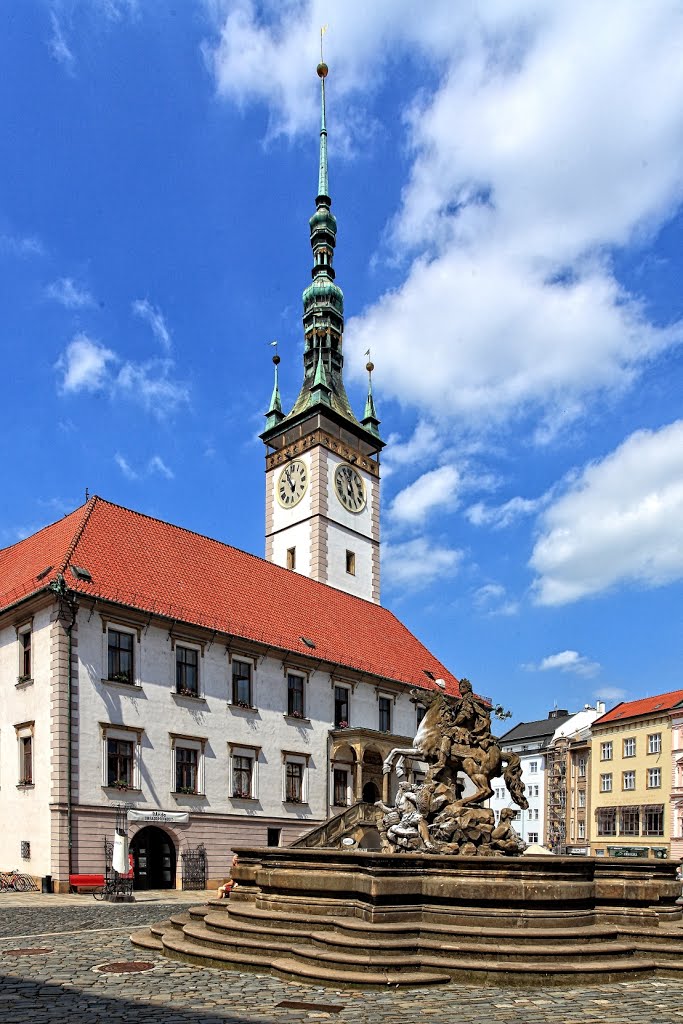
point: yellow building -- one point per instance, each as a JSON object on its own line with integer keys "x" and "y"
{"x": 631, "y": 778}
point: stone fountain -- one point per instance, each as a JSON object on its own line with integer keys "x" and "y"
{"x": 447, "y": 898}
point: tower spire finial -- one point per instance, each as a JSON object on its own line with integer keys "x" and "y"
{"x": 275, "y": 413}
{"x": 322, "y": 69}
{"x": 370, "y": 420}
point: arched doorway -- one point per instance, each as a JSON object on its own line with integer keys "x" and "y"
{"x": 371, "y": 793}
{"x": 154, "y": 859}
{"x": 372, "y": 775}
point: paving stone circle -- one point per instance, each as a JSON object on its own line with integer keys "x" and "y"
{"x": 125, "y": 967}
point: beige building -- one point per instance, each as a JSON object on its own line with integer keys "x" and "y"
{"x": 631, "y": 778}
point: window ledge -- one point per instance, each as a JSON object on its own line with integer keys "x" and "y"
{"x": 126, "y": 686}
{"x": 295, "y": 803}
{"x": 240, "y": 707}
{"x": 177, "y": 795}
{"x": 245, "y": 799}
{"x": 296, "y": 720}
{"x": 26, "y": 785}
{"x": 21, "y": 683}
{"x": 187, "y": 696}
{"x": 121, "y": 789}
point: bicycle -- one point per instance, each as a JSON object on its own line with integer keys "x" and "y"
{"x": 14, "y": 881}
{"x": 114, "y": 887}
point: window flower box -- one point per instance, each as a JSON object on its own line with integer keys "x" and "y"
{"x": 183, "y": 691}
{"x": 342, "y": 725}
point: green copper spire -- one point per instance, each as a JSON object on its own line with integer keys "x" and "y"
{"x": 323, "y": 186}
{"x": 370, "y": 420}
{"x": 323, "y": 314}
{"x": 275, "y": 413}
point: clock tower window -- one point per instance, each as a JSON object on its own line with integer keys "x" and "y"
{"x": 291, "y": 558}
{"x": 351, "y": 563}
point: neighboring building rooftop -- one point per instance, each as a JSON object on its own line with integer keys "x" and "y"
{"x": 536, "y": 732}
{"x": 165, "y": 570}
{"x": 644, "y": 706}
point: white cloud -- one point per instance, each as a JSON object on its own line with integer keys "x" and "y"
{"x": 16, "y": 245}
{"x": 125, "y": 467}
{"x": 621, "y": 521}
{"x": 436, "y": 489}
{"x": 155, "y": 318}
{"x": 69, "y": 294}
{"x": 549, "y": 134}
{"x": 58, "y": 45}
{"x": 157, "y": 465}
{"x": 418, "y": 563}
{"x": 421, "y": 446}
{"x": 492, "y": 599}
{"x": 503, "y": 515}
{"x": 151, "y": 384}
{"x": 610, "y": 694}
{"x": 84, "y": 365}
{"x": 566, "y": 661}
{"x": 154, "y": 465}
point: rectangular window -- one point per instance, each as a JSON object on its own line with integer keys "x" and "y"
{"x": 294, "y": 782}
{"x": 582, "y": 767}
{"x": 341, "y": 778}
{"x": 420, "y": 712}
{"x": 535, "y": 789}
{"x": 630, "y": 747}
{"x": 606, "y": 783}
{"x": 582, "y": 829}
{"x": 533, "y": 837}
{"x": 186, "y": 770}
{"x": 291, "y": 558}
{"x": 533, "y": 767}
{"x": 241, "y": 683}
{"x": 653, "y": 821}
{"x": 25, "y": 655}
{"x": 606, "y": 751}
{"x": 628, "y": 780}
{"x": 629, "y": 823}
{"x": 274, "y": 836}
{"x": 654, "y": 743}
{"x": 242, "y": 777}
{"x": 187, "y": 671}
{"x": 26, "y": 766}
{"x": 351, "y": 563}
{"x": 120, "y": 656}
{"x": 654, "y": 778}
{"x": 295, "y": 696}
{"x": 120, "y": 763}
{"x": 607, "y": 821}
{"x": 341, "y": 707}
{"x": 385, "y": 714}
{"x": 582, "y": 798}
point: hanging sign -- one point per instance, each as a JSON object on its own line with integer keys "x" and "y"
{"x": 178, "y": 817}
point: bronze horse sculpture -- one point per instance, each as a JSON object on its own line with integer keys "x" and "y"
{"x": 455, "y": 736}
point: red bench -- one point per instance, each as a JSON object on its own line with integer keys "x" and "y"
{"x": 85, "y": 883}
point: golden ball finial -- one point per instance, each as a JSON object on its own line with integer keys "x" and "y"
{"x": 322, "y": 69}
{"x": 369, "y": 367}
{"x": 276, "y": 359}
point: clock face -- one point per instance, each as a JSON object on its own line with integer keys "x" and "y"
{"x": 349, "y": 488}
{"x": 291, "y": 484}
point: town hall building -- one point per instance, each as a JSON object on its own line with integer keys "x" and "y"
{"x": 211, "y": 696}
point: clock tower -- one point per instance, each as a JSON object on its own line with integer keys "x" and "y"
{"x": 322, "y": 464}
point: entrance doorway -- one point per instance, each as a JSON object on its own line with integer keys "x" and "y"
{"x": 154, "y": 859}
{"x": 370, "y": 793}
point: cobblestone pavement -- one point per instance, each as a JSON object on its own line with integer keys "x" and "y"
{"x": 63, "y": 985}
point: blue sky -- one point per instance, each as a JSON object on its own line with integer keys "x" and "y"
{"x": 507, "y": 180}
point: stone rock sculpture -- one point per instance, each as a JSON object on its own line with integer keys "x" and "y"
{"x": 454, "y": 738}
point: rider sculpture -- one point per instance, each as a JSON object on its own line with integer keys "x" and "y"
{"x": 454, "y": 738}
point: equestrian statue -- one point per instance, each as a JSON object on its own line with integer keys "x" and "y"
{"x": 454, "y": 739}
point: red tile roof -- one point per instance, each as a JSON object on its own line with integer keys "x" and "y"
{"x": 169, "y": 571}
{"x": 644, "y": 706}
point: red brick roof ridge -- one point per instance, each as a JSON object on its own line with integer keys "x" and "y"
{"x": 88, "y": 510}
{"x": 124, "y": 595}
{"x": 641, "y": 706}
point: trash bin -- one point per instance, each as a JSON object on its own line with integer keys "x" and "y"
{"x": 47, "y": 883}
